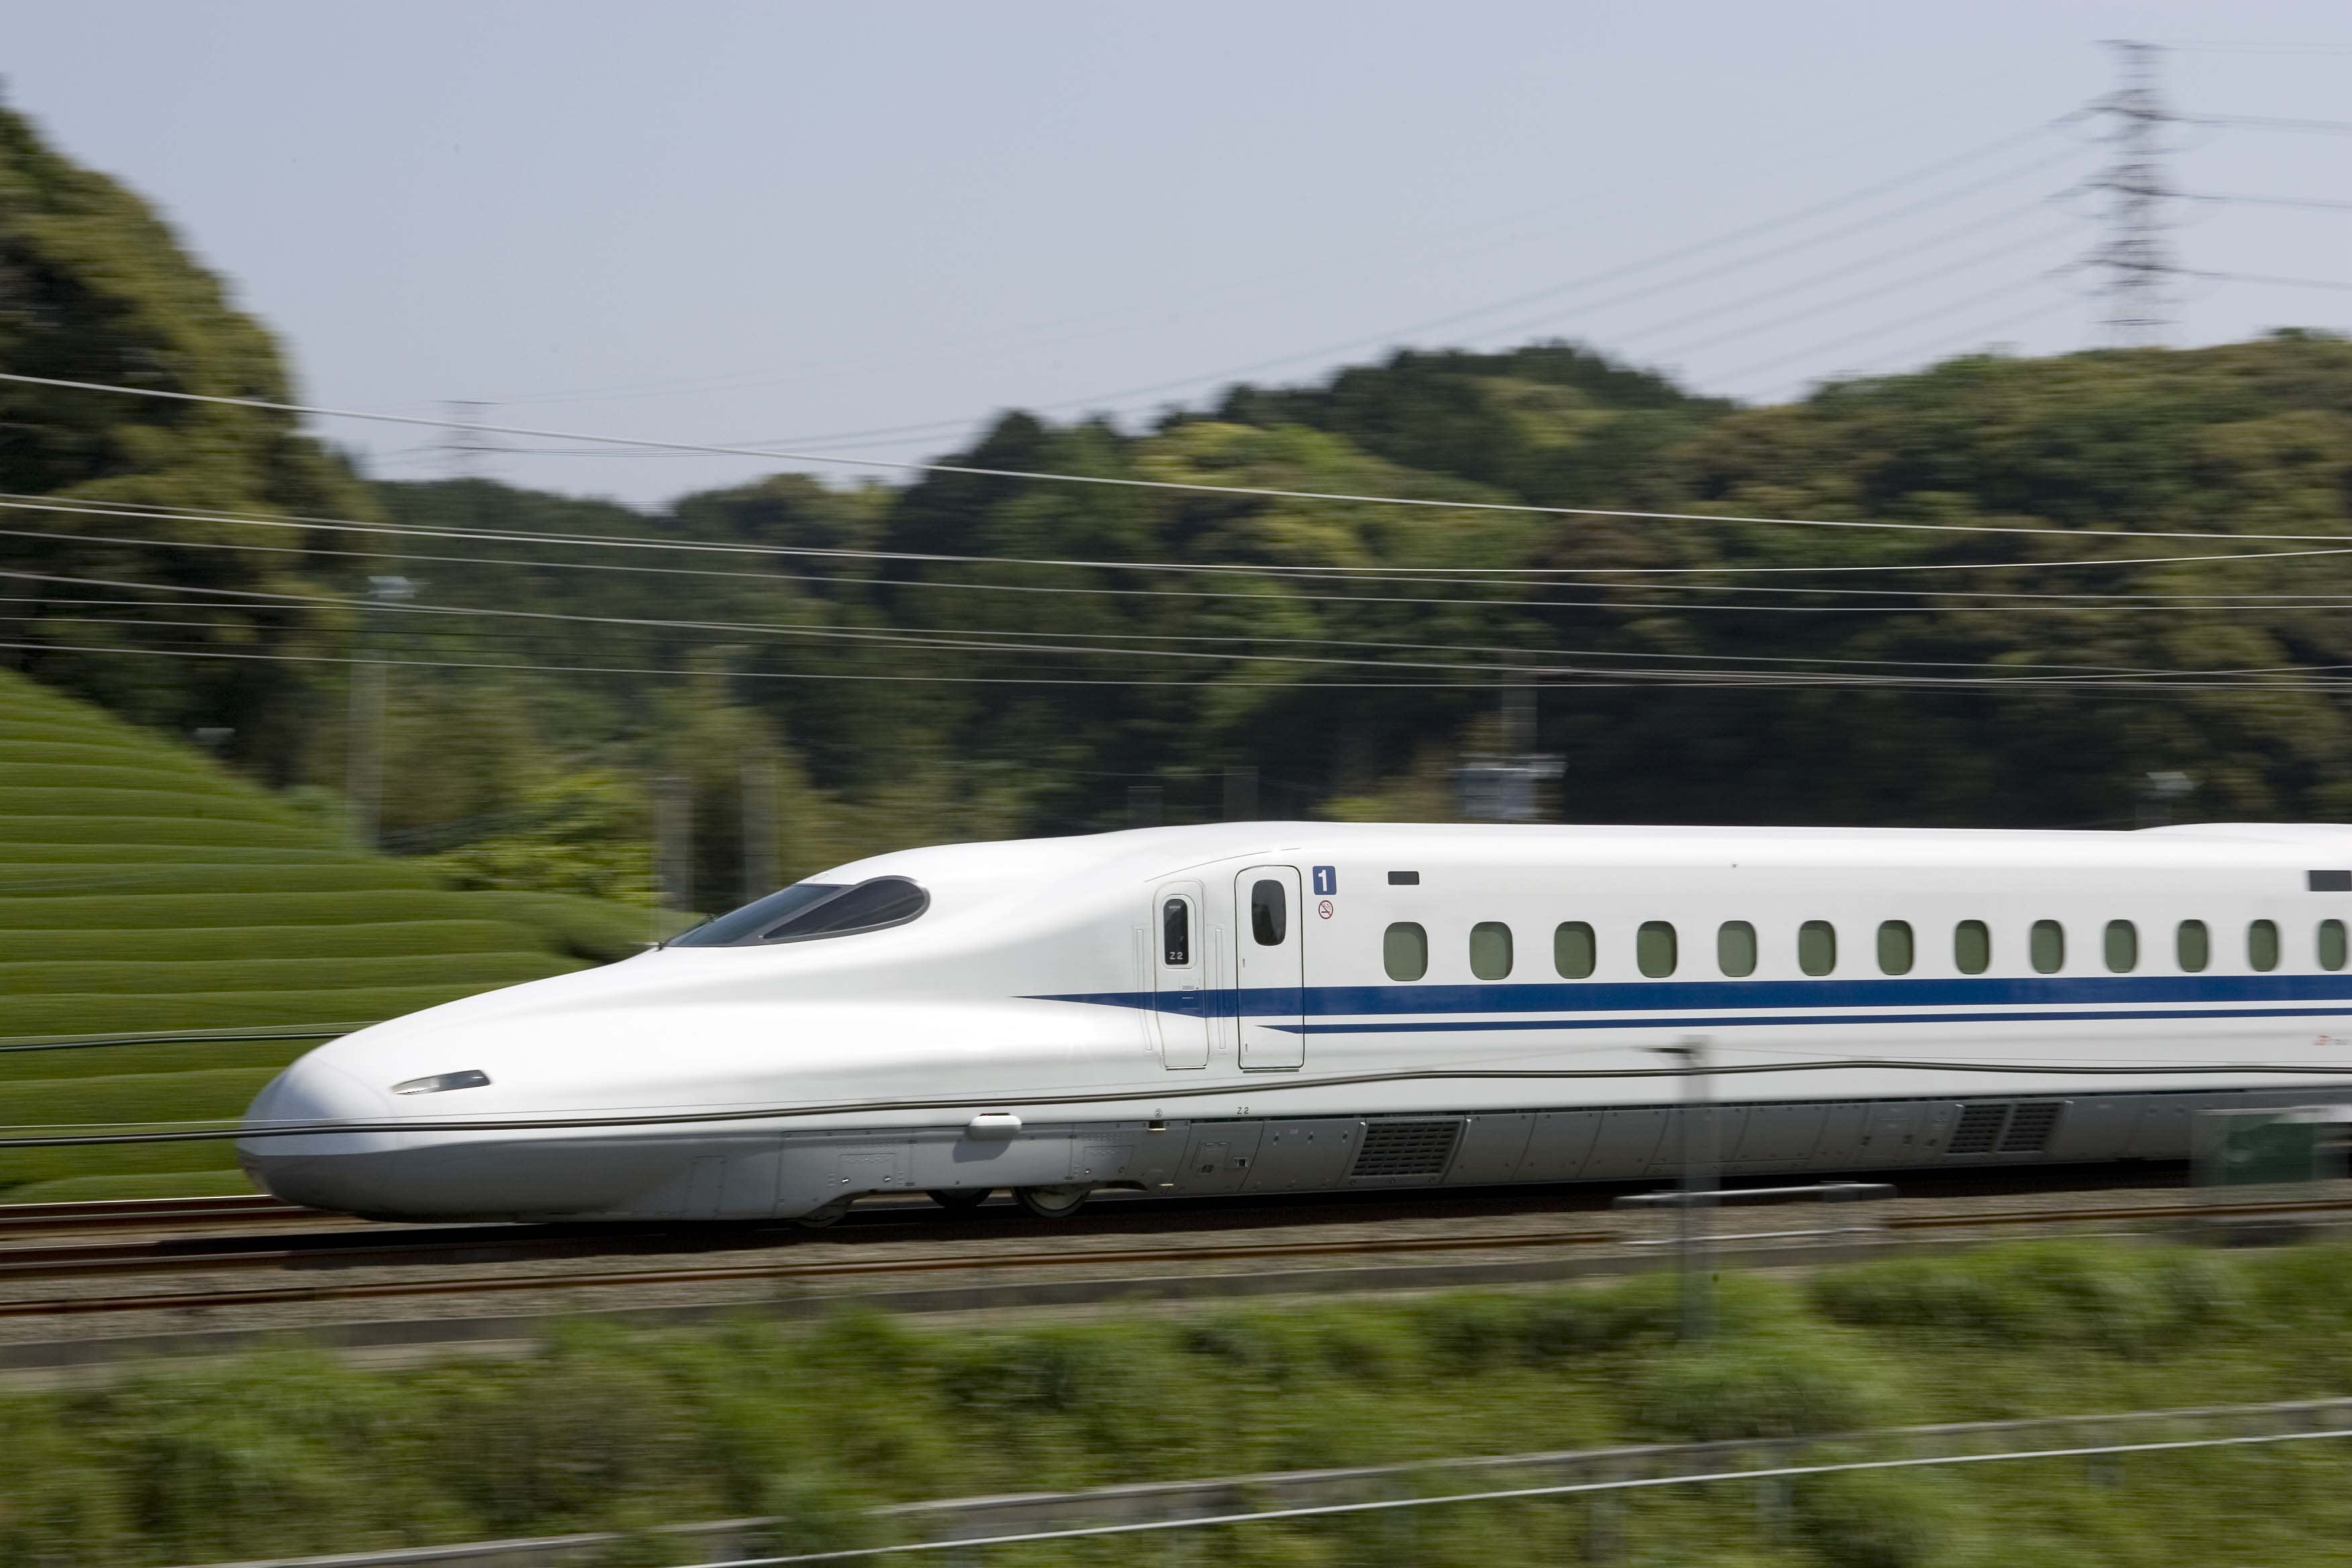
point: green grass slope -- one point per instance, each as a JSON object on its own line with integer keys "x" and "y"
{"x": 144, "y": 889}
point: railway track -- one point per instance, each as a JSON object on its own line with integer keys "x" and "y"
{"x": 893, "y": 1241}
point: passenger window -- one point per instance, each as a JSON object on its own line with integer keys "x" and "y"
{"x": 1735, "y": 948}
{"x": 2194, "y": 946}
{"x": 1653, "y": 949}
{"x": 1404, "y": 950}
{"x": 1269, "y": 912}
{"x": 1573, "y": 951}
{"x": 1972, "y": 947}
{"x": 1176, "y": 933}
{"x": 2261, "y": 946}
{"x": 1817, "y": 947}
{"x": 2048, "y": 947}
{"x": 2122, "y": 946}
{"x": 1490, "y": 950}
{"x": 2331, "y": 944}
{"x": 1894, "y": 947}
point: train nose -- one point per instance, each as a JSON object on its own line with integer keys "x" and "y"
{"x": 314, "y": 1169}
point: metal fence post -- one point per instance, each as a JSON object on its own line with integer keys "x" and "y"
{"x": 1699, "y": 1160}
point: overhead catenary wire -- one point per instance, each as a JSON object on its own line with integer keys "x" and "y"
{"x": 1535, "y": 676}
{"x": 1485, "y": 575}
{"x": 1185, "y": 487}
{"x": 991, "y": 642}
{"x": 1953, "y": 600}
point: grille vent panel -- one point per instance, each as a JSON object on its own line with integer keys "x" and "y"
{"x": 1979, "y": 1129}
{"x": 2029, "y": 1127}
{"x": 1405, "y": 1150}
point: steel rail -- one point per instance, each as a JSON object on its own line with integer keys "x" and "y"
{"x": 73, "y": 1262}
{"x": 130, "y": 1214}
{"x": 505, "y": 1283}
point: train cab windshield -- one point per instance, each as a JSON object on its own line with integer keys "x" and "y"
{"x": 806, "y": 910}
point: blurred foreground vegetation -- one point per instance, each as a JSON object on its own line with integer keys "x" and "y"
{"x": 611, "y": 1429}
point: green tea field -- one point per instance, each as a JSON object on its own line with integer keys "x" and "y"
{"x": 146, "y": 889}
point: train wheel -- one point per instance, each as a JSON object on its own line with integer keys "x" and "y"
{"x": 959, "y": 1200}
{"x": 817, "y": 1219}
{"x": 1052, "y": 1202}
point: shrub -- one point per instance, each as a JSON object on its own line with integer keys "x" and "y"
{"x": 2112, "y": 1298}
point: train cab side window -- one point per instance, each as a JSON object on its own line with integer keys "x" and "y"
{"x": 1817, "y": 947}
{"x": 1490, "y": 950}
{"x": 1176, "y": 934}
{"x": 806, "y": 910}
{"x": 2193, "y": 945}
{"x": 1972, "y": 947}
{"x": 1404, "y": 950}
{"x": 2261, "y": 946}
{"x": 2331, "y": 944}
{"x": 2047, "y": 947}
{"x": 1894, "y": 947}
{"x": 1269, "y": 912}
{"x": 2122, "y": 946}
{"x": 1573, "y": 951}
{"x": 1653, "y": 949}
{"x": 1735, "y": 948}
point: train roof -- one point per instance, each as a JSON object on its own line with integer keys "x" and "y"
{"x": 1159, "y": 852}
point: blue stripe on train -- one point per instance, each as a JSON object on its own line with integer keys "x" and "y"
{"x": 2038, "y": 991}
{"x": 1750, "y": 1020}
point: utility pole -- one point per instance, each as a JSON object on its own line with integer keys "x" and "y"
{"x": 1700, "y": 1159}
{"x": 363, "y": 747}
{"x": 1241, "y": 793}
{"x": 2136, "y": 257}
{"x": 468, "y": 447}
{"x": 759, "y": 823}
{"x": 674, "y": 842}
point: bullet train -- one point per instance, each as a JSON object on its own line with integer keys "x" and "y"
{"x": 1271, "y": 1007}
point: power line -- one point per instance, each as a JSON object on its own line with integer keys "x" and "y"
{"x": 2270, "y": 122}
{"x": 2317, "y": 203}
{"x": 1910, "y": 281}
{"x": 982, "y": 642}
{"x": 1976, "y": 335}
{"x": 1508, "y": 577}
{"x": 1174, "y": 486}
{"x": 1743, "y": 264}
{"x": 1705, "y": 679}
{"x": 1142, "y": 637}
{"x": 1391, "y": 334}
{"x": 2333, "y": 285}
{"x": 1881, "y": 329}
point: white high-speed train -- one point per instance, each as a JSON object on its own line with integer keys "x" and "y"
{"x": 1266, "y": 1007}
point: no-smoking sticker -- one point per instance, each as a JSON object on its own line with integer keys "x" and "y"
{"x": 1324, "y": 909}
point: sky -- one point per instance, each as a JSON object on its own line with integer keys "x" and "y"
{"x": 866, "y": 230}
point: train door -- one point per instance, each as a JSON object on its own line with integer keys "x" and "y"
{"x": 1180, "y": 968}
{"x": 1272, "y": 944}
